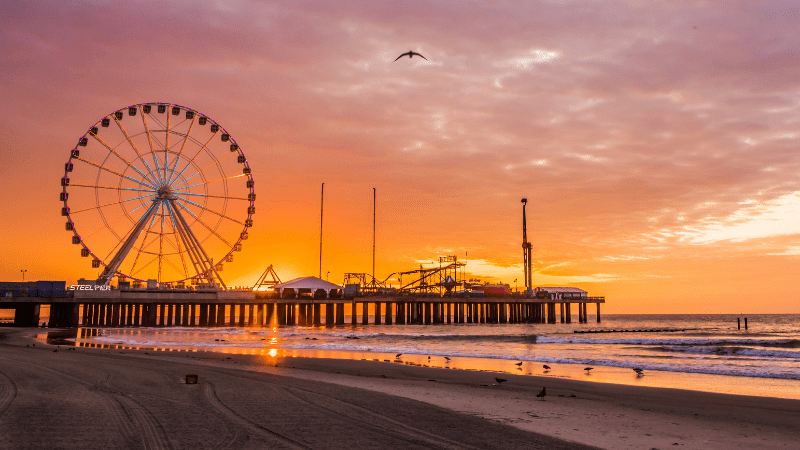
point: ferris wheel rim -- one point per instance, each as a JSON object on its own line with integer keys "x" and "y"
{"x": 148, "y": 180}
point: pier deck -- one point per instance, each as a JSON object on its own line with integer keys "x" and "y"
{"x": 117, "y": 307}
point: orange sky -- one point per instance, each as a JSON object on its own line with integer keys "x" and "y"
{"x": 656, "y": 142}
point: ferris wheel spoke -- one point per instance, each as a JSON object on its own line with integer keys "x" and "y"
{"x": 111, "y": 187}
{"x": 208, "y": 182}
{"x": 152, "y": 150}
{"x": 195, "y": 156}
{"x": 215, "y": 196}
{"x": 213, "y": 231}
{"x": 180, "y": 153}
{"x": 109, "y": 204}
{"x": 205, "y": 209}
{"x": 144, "y": 241}
{"x": 166, "y": 163}
{"x": 215, "y": 162}
{"x": 178, "y": 241}
{"x": 101, "y": 167}
{"x": 136, "y": 149}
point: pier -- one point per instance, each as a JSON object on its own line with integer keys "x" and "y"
{"x": 230, "y": 308}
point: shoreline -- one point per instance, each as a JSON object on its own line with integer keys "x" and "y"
{"x": 785, "y": 388}
{"x": 601, "y": 414}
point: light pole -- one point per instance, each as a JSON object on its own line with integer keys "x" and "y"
{"x": 23, "y": 274}
{"x": 327, "y": 278}
{"x": 516, "y": 289}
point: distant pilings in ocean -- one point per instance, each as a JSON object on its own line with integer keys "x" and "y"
{"x": 739, "y": 323}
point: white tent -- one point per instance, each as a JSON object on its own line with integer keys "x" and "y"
{"x": 307, "y": 284}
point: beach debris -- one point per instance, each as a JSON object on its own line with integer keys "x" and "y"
{"x": 500, "y": 380}
{"x": 410, "y": 54}
{"x": 191, "y": 379}
{"x": 431, "y": 380}
{"x": 588, "y": 369}
{"x": 546, "y": 367}
{"x": 542, "y": 394}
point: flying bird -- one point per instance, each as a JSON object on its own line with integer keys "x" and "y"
{"x": 542, "y": 394}
{"x": 411, "y": 54}
{"x": 588, "y": 369}
{"x": 500, "y": 380}
{"x": 546, "y": 367}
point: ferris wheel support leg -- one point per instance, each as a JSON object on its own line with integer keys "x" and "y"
{"x": 208, "y": 265}
{"x": 113, "y": 266}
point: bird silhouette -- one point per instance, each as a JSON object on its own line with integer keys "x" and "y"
{"x": 411, "y": 54}
{"x": 447, "y": 358}
{"x": 429, "y": 357}
{"x": 546, "y": 367}
{"x": 398, "y": 355}
{"x": 542, "y": 394}
{"x": 518, "y": 364}
{"x": 638, "y": 371}
{"x": 588, "y": 369}
{"x": 500, "y": 380}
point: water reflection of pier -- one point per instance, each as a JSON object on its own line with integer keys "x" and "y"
{"x": 254, "y": 309}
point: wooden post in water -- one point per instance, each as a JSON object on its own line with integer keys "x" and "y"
{"x": 317, "y": 314}
{"x": 738, "y": 323}
{"x": 598, "y": 312}
{"x": 364, "y": 313}
{"x": 745, "y": 323}
{"x": 340, "y": 314}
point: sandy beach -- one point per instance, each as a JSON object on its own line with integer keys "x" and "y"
{"x": 106, "y": 398}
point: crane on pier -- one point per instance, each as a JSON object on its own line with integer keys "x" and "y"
{"x": 526, "y": 250}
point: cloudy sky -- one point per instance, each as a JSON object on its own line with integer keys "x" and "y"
{"x": 658, "y": 143}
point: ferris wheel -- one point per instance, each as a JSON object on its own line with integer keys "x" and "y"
{"x": 158, "y": 191}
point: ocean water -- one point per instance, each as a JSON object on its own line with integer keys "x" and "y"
{"x": 707, "y": 352}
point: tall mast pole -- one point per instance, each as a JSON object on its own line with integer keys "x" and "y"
{"x": 321, "y": 204}
{"x": 373, "y": 235}
{"x": 526, "y": 249}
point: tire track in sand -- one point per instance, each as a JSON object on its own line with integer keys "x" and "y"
{"x": 8, "y": 392}
{"x": 210, "y": 394}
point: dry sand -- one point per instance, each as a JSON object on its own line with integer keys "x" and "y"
{"x": 99, "y": 398}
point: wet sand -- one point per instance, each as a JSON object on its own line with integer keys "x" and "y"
{"x": 100, "y": 398}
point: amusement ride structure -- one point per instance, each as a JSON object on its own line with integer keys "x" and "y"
{"x": 157, "y": 191}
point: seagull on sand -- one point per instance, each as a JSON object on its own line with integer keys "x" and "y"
{"x": 638, "y": 371}
{"x": 518, "y": 364}
{"x": 447, "y": 358}
{"x": 398, "y": 355}
{"x": 500, "y": 380}
{"x": 411, "y": 54}
{"x": 542, "y": 394}
{"x": 588, "y": 369}
{"x": 546, "y": 367}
